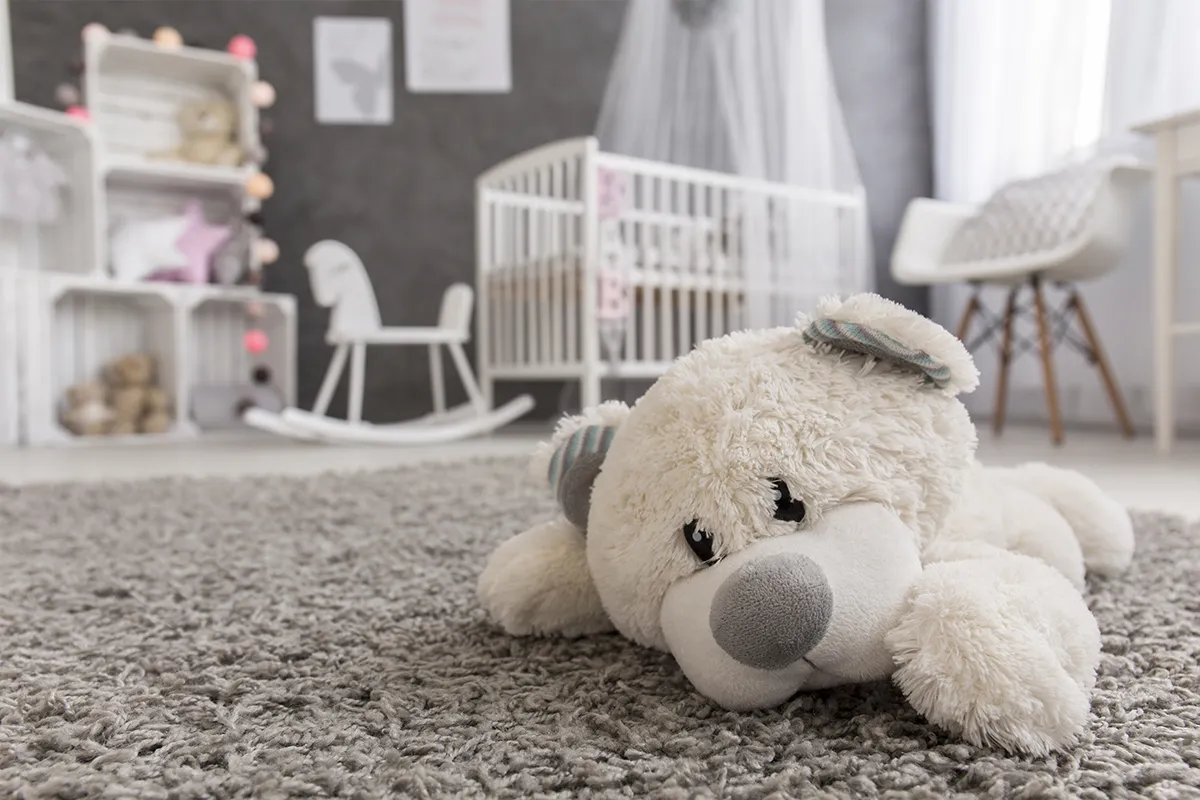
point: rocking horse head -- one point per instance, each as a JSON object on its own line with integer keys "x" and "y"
{"x": 340, "y": 281}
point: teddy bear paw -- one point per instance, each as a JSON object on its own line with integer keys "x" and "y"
{"x": 537, "y": 583}
{"x": 998, "y": 650}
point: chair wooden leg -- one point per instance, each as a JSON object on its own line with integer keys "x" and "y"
{"x": 964, "y": 324}
{"x": 1046, "y": 347}
{"x": 1101, "y": 362}
{"x": 1010, "y": 312}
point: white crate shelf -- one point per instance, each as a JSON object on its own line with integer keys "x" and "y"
{"x": 134, "y": 90}
{"x": 216, "y": 323}
{"x": 194, "y": 332}
{"x": 62, "y": 316}
{"x": 75, "y": 242}
{"x": 79, "y": 325}
{"x": 135, "y": 171}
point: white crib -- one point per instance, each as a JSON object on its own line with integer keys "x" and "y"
{"x": 594, "y": 265}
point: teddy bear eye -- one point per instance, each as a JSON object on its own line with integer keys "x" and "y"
{"x": 787, "y": 508}
{"x": 701, "y": 542}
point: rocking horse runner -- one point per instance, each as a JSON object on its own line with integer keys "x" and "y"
{"x": 339, "y": 282}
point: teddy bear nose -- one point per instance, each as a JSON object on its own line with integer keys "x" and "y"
{"x": 772, "y": 611}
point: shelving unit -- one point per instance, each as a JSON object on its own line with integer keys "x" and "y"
{"x": 79, "y": 325}
{"x": 75, "y": 242}
{"x": 62, "y": 315}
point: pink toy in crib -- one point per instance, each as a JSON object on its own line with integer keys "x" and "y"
{"x": 613, "y": 297}
{"x": 613, "y": 190}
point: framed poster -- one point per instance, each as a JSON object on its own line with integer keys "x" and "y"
{"x": 457, "y": 46}
{"x": 353, "y": 62}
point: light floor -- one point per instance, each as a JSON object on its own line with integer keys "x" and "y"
{"x": 1130, "y": 470}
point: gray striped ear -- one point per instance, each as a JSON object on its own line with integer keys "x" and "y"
{"x": 857, "y": 338}
{"x": 574, "y": 467}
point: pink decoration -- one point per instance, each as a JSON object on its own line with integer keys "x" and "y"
{"x": 613, "y": 191}
{"x": 242, "y": 46}
{"x": 255, "y": 341}
{"x": 79, "y": 112}
{"x": 262, "y": 94}
{"x": 198, "y": 242}
{"x": 613, "y": 300}
{"x": 94, "y": 32}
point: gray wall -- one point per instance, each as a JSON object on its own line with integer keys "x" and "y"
{"x": 879, "y": 64}
{"x": 401, "y": 195}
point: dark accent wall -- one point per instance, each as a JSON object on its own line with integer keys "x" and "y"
{"x": 402, "y": 195}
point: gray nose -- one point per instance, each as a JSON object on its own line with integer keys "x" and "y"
{"x": 772, "y": 611}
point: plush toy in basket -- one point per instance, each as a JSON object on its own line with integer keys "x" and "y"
{"x": 797, "y": 508}
{"x": 208, "y": 134}
{"x": 127, "y": 400}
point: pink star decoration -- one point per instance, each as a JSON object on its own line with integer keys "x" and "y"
{"x": 198, "y": 242}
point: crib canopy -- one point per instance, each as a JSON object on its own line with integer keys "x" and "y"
{"x": 744, "y": 88}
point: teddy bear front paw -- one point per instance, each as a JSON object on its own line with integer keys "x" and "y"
{"x": 999, "y": 650}
{"x": 537, "y": 583}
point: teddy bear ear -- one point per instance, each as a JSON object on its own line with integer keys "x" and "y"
{"x": 872, "y": 326}
{"x": 572, "y": 459}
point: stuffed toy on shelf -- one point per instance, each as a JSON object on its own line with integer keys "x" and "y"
{"x": 176, "y": 247}
{"x": 797, "y": 508}
{"x": 126, "y": 400}
{"x": 207, "y": 133}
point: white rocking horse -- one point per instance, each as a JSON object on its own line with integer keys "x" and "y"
{"x": 339, "y": 281}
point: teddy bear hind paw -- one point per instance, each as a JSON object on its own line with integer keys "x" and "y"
{"x": 999, "y": 651}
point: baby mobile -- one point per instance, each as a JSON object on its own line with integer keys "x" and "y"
{"x": 247, "y": 250}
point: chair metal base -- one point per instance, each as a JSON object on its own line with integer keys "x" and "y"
{"x": 1053, "y": 328}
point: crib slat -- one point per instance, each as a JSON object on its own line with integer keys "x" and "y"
{"x": 573, "y": 264}
{"x": 503, "y": 233}
{"x": 716, "y": 257}
{"x": 556, "y": 266}
{"x": 675, "y": 201}
{"x": 666, "y": 343}
{"x": 646, "y": 309}
{"x": 520, "y": 259}
{"x": 545, "y": 225}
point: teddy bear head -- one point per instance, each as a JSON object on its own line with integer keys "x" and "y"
{"x": 135, "y": 369}
{"x": 759, "y": 512}
{"x": 208, "y": 117}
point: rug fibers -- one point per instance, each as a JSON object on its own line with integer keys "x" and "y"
{"x": 319, "y": 637}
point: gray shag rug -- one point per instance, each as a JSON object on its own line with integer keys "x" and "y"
{"x": 282, "y": 637}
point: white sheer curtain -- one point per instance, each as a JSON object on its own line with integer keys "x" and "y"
{"x": 1153, "y": 71}
{"x": 1153, "y": 61}
{"x": 1020, "y": 84}
{"x": 747, "y": 88}
{"x": 1016, "y": 86}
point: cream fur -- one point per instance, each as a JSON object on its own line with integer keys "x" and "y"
{"x": 537, "y": 583}
{"x": 994, "y": 641}
{"x": 1000, "y": 649}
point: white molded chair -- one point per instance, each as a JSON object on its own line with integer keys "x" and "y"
{"x": 340, "y": 282}
{"x": 929, "y": 226}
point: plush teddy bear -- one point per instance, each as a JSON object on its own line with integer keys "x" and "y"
{"x": 208, "y": 133}
{"x": 796, "y": 508}
{"x": 138, "y": 404}
{"x": 86, "y": 411}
